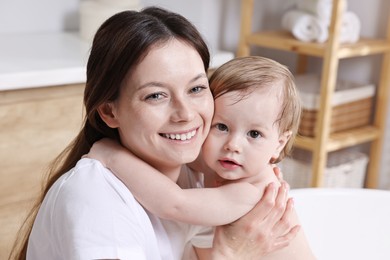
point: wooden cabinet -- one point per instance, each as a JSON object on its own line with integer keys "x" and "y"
{"x": 331, "y": 52}
{"x": 35, "y": 126}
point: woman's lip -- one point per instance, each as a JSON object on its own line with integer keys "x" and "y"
{"x": 184, "y": 132}
{"x": 183, "y": 136}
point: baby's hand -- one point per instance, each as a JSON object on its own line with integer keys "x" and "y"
{"x": 103, "y": 151}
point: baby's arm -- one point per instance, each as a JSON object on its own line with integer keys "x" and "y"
{"x": 164, "y": 198}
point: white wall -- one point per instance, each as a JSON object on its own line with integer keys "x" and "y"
{"x": 218, "y": 21}
{"x": 205, "y": 14}
{"x": 25, "y": 16}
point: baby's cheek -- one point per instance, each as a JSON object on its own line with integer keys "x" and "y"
{"x": 212, "y": 146}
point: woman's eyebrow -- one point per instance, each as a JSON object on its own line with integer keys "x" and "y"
{"x": 159, "y": 84}
{"x": 199, "y": 76}
{"x": 150, "y": 84}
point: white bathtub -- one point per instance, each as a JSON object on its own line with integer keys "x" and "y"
{"x": 345, "y": 224}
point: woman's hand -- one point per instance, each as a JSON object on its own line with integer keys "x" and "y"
{"x": 278, "y": 173}
{"x": 265, "y": 229}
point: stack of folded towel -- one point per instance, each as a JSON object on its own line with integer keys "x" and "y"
{"x": 310, "y": 21}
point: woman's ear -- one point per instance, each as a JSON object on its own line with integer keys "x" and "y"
{"x": 283, "y": 139}
{"x": 107, "y": 113}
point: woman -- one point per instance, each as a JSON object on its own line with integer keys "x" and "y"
{"x": 146, "y": 88}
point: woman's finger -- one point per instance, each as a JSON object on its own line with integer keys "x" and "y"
{"x": 283, "y": 241}
{"x": 278, "y": 172}
{"x": 279, "y": 205}
{"x": 266, "y": 204}
{"x": 284, "y": 225}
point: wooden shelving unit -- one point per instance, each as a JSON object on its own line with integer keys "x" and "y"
{"x": 331, "y": 52}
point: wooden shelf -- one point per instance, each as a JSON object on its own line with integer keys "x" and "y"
{"x": 283, "y": 40}
{"x": 330, "y": 52}
{"x": 342, "y": 139}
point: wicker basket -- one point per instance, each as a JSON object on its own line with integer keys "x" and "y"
{"x": 351, "y": 104}
{"x": 344, "y": 169}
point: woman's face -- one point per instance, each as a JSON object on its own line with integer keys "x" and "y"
{"x": 165, "y": 107}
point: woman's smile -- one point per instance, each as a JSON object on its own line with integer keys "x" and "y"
{"x": 180, "y": 136}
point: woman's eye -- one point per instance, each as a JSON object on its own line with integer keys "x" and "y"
{"x": 197, "y": 89}
{"x": 254, "y": 134}
{"x": 154, "y": 96}
{"x": 221, "y": 127}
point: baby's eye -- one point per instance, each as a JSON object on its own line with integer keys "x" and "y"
{"x": 154, "y": 96}
{"x": 254, "y": 134}
{"x": 221, "y": 127}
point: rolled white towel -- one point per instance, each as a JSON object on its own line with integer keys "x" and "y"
{"x": 304, "y": 26}
{"x": 320, "y": 8}
{"x": 350, "y": 28}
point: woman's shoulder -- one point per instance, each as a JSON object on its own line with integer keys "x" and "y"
{"x": 88, "y": 175}
{"x": 90, "y": 183}
{"x": 87, "y": 208}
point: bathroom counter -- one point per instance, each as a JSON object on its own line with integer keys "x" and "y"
{"x": 44, "y": 59}
{"x": 42, "y": 79}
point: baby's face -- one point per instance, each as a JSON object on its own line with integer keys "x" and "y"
{"x": 244, "y": 136}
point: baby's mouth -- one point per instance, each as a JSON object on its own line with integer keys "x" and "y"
{"x": 229, "y": 162}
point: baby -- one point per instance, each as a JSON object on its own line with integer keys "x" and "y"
{"x": 257, "y": 111}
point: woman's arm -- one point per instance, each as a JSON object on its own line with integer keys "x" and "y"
{"x": 164, "y": 198}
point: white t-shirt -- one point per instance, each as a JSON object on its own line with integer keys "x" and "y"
{"x": 90, "y": 214}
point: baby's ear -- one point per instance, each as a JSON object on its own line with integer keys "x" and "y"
{"x": 107, "y": 113}
{"x": 286, "y": 135}
{"x": 283, "y": 139}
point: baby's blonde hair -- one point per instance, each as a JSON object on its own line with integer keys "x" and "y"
{"x": 248, "y": 73}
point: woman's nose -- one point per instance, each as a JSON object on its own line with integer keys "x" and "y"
{"x": 182, "y": 111}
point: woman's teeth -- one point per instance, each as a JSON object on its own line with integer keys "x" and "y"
{"x": 182, "y": 137}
